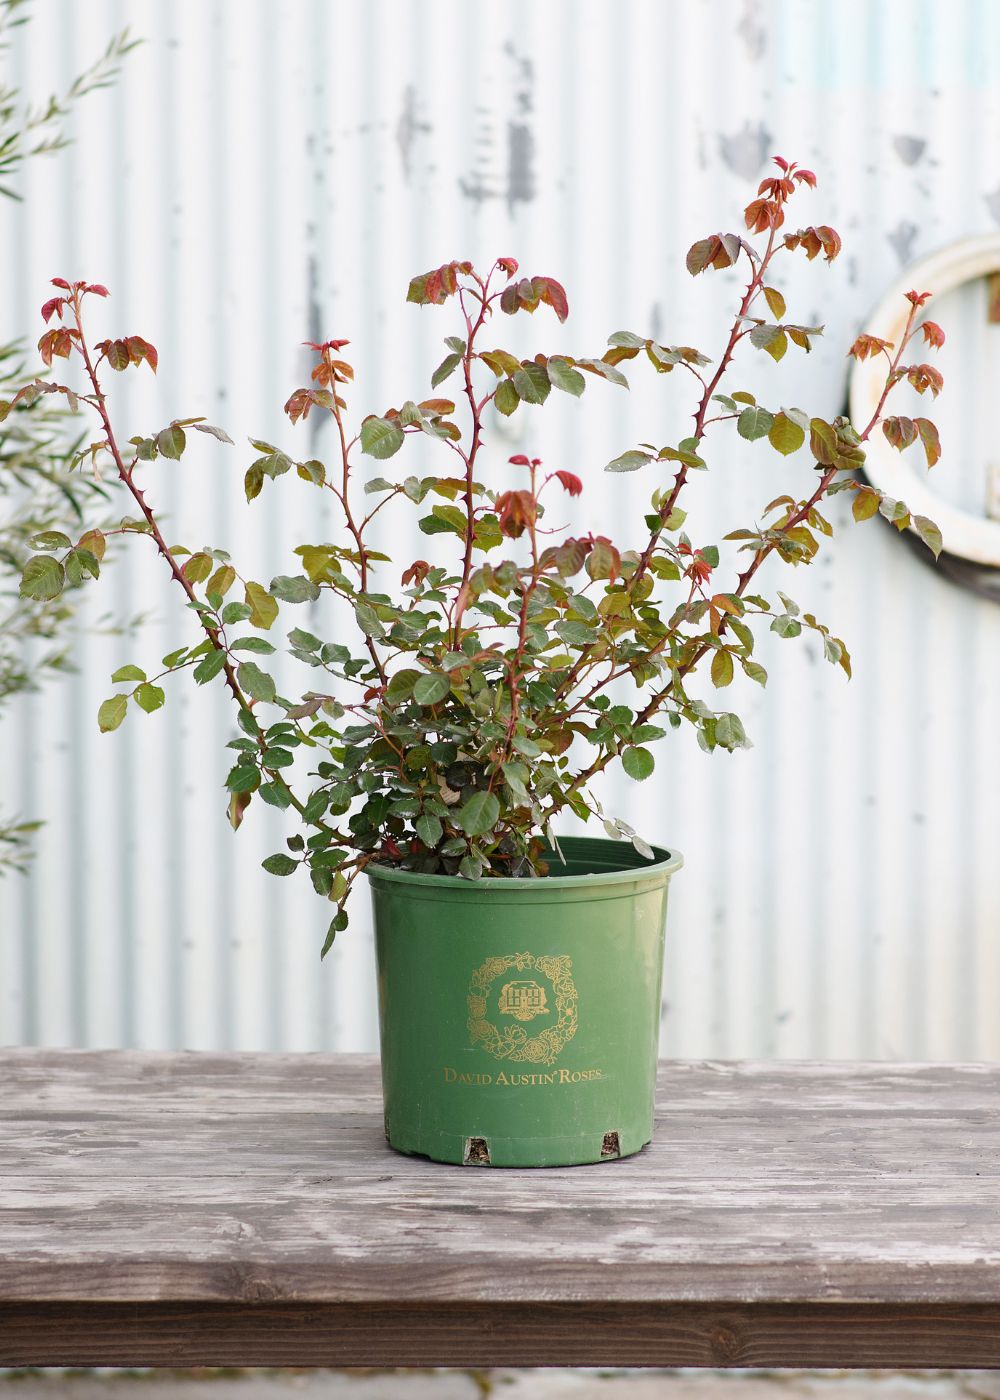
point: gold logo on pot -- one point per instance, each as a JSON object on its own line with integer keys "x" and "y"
{"x": 523, "y": 999}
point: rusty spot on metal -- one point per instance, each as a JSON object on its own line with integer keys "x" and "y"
{"x": 993, "y": 299}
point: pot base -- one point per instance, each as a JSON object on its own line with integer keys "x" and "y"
{"x": 523, "y": 1153}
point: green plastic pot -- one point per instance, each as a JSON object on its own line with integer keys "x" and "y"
{"x": 520, "y": 1018}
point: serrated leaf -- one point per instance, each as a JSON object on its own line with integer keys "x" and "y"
{"x": 50, "y": 539}
{"x": 447, "y": 367}
{"x": 722, "y": 669}
{"x": 381, "y": 437}
{"x": 209, "y": 666}
{"x": 128, "y": 673}
{"x": 294, "y": 589}
{"x": 629, "y": 461}
{"x": 431, "y": 688}
{"x": 149, "y": 697}
{"x": 171, "y": 442}
{"x": 754, "y": 423}
{"x": 929, "y": 533}
{"x": 785, "y": 435}
{"x": 478, "y": 814}
{"x": 111, "y": 713}
{"x": 263, "y": 608}
{"x": 565, "y": 377}
{"x": 775, "y": 301}
{"x": 428, "y": 827}
{"x": 43, "y": 578}
{"x": 865, "y": 504}
{"x": 280, "y": 864}
{"x": 638, "y": 763}
{"x": 532, "y": 383}
{"x": 255, "y": 682}
{"x": 218, "y": 433}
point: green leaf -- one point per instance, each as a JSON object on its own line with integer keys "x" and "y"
{"x": 296, "y": 589}
{"x": 381, "y": 437}
{"x": 111, "y": 713}
{"x": 754, "y": 423}
{"x": 565, "y": 377}
{"x": 785, "y": 436}
{"x": 43, "y": 578}
{"x": 786, "y": 626}
{"x": 929, "y": 533}
{"x": 428, "y": 827}
{"x": 722, "y": 669}
{"x": 257, "y": 644}
{"x": 219, "y": 433}
{"x": 337, "y": 925}
{"x": 638, "y": 763}
{"x": 506, "y": 398}
{"x": 128, "y": 673}
{"x": 263, "y": 608}
{"x": 431, "y": 688}
{"x": 447, "y": 367}
{"x": 478, "y": 814}
{"x": 51, "y": 539}
{"x": 280, "y": 864}
{"x": 629, "y": 461}
{"x": 149, "y": 697}
{"x": 209, "y": 666}
{"x": 171, "y": 441}
{"x": 255, "y": 682}
{"x": 606, "y": 371}
{"x": 368, "y": 620}
{"x": 532, "y": 383}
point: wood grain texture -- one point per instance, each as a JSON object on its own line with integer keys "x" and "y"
{"x": 164, "y": 1209}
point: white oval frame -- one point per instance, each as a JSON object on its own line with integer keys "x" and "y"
{"x": 974, "y": 537}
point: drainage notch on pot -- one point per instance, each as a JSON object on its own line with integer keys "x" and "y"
{"x": 477, "y": 1153}
{"x": 611, "y": 1145}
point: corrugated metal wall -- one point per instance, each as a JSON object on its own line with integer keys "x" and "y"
{"x": 267, "y": 172}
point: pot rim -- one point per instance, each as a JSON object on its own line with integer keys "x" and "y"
{"x": 663, "y": 865}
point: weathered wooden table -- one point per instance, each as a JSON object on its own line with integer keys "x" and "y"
{"x": 244, "y": 1209}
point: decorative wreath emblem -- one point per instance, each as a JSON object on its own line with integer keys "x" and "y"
{"x": 514, "y": 1042}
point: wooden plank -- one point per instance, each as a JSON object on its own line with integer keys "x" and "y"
{"x": 217, "y": 1209}
{"x": 514, "y": 1334}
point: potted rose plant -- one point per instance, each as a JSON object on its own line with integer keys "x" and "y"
{"x": 467, "y": 702}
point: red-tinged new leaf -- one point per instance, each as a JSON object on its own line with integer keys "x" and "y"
{"x": 508, "y": 265}
{"x": 900, "y": 432}
{"x": 553, "y": 293}
{"x": 516, "y": 510}
{"x": 762, "y": 214}
{"x": 98, "y": 288}
{"x": 118, "y": 355}
{"x": 930, "y": 439}
{"x": 432, "y": 288}
{"x": 933, "y": 334}
{"x": 923, "y": 377}
{"x": 867, "y": 345}
{"x": 61, "y": 282}
{"x": 570, "y": 483}
{"x": 54, "y": 304}
{"x": 56, "y": 342}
